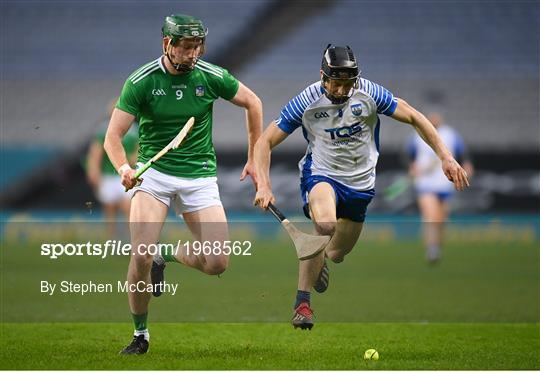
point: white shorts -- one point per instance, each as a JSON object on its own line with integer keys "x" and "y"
{"x": 184, "y": 194}
{"x": 111, "y": 191}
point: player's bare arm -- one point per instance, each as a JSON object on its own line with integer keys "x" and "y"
{"x": 95, "y": 156}
{"x": 271, "y": 137}
{"x": 451, "y": 168}
{"x": 118, "y": 126}
{"x": 247, "y": 99}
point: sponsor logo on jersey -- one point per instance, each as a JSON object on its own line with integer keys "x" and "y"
{"x": 199, "y": 90}
{"x": 344, "y": 132}
{"x": 322, "y": 114}
{"x": 356, "y": 109}
{"x": 158, "y": 92}
{"x": 180, "y": 86}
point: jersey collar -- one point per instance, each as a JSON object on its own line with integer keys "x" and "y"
{"x": 161, "y": 66}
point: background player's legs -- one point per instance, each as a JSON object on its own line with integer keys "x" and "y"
{"x": 109, "y": 211}
{"x": 434, "y": 214}
{"x": 124, "y": 206}
{"x": 146, "y": 220}
{"x": 114, "y": 199}
{"x": 206, "y": 225}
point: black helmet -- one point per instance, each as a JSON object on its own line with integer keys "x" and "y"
{"x": 339, "y": 63}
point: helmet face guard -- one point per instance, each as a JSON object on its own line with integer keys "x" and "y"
{"x": 329, "y": 84}
{"x": 178, "y": 27}
{"x": 339, "y": 67}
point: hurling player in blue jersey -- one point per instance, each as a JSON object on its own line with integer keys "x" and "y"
{"x": 432, "y": 188}
{"x": 339, "y": 119}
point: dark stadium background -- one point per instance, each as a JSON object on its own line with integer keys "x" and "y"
{"x": 475, "y": 61}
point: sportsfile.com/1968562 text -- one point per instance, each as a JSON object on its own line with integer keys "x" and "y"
{"x": 118, "y": 248}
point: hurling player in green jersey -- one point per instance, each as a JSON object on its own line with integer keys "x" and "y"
{"x": 102, "y": 175}
{"x": 162, "y": 95}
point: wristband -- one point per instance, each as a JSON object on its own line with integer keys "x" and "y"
{"x": 124, "y": 167}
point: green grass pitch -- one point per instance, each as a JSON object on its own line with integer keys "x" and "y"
{"x": 274, "y": 346}
{"x": 478, "y": 309}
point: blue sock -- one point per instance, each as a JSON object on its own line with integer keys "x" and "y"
{"x": 302, "y": 296}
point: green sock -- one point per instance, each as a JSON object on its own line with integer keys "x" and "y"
{"x": 167, "y": 252}
{"x": 140, "y": 321}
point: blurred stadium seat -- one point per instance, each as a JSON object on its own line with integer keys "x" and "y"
{"x": 62, "y": 61}
{"x": 477, "y": 55}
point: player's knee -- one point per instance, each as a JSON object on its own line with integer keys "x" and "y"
{"x": 143, "y": 262}
{"x": 215, "y": 268}
{"x": 141, "y": 254}
{"x": 335, "y": 256}
{"x": 326, "y": 228}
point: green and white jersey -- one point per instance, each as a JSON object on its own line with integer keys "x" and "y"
{"x": 162, "y": 103}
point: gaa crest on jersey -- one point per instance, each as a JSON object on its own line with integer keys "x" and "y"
{"x": 158, "y": 92}
{"x": 199, "y": 90}
{"x": 356, "y": 109}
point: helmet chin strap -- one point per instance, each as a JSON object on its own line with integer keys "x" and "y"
{"x": 337, "y": 100}
{"x": 180, "y": 67}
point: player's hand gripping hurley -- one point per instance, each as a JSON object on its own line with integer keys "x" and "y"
{"x": 307, "y": 246}
{"x": 174, "y": 144}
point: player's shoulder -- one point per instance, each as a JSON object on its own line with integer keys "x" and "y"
{"x": 312, "y": 93}
{"x": 207, "y": 68}
{"x": 153, "y": 67}
{"x": 367, "y": 86}
{"x": 384, "y": 99}
{"x": 315, "y": 88}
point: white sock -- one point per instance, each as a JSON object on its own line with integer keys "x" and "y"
{"x": 143, "y": 332}
{"x": 158, "y": 259}
{"x": 433, "y": 253}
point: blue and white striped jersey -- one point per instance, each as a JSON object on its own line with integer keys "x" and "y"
{"x": 343, "y": 139}
{"x": 432, "y": 178}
